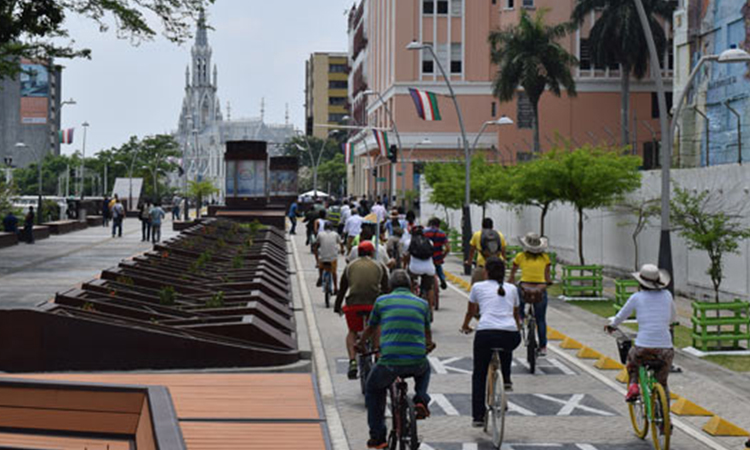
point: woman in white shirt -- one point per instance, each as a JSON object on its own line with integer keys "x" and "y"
{"x": 496, "y": 302}
{"x": 655, "y": 311}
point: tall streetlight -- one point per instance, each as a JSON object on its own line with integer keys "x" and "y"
{"x": 395, "y": 131}
{"x": 425, "y": 141}
{"x": 39, "y": 180}
{"x": 314, "y": 161}
{"x": 154, "y": 170}
{"x": 85, "y": 126}
{"x": 466, "y": 210}
{"x": 503, "y": 120}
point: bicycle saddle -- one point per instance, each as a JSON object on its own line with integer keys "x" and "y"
{"x": 653, "y": 365}
{"x": 497, "y": 349}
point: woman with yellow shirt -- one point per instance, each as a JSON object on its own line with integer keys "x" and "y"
{"x": 535, "y": 266}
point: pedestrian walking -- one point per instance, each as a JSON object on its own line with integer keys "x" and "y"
{"x": 293, "y": 218}
{"x": 118, "y": 215}
{"x": 144, "y": 215}
{"x": 176, "y": 207}
{"x": 105, "y": 211}
{"x": 28, "y": 225}
{"x": 157, "y": 214}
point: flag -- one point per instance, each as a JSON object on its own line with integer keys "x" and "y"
{"x": 381, "y": 137}
{"x": 66, "y": 136}
{"x": 348, "y": 152}
{"x": 426, "y": 103}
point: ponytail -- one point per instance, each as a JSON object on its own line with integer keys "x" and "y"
{"x": 496, "y": 271}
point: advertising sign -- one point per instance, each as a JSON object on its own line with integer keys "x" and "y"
{"x": 251, "y": 178}
{"x": 230, "y": 174}
{"x": 283, "y": 183}
{"x": 34, "y": 80}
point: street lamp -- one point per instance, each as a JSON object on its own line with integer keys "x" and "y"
{"x": 395, "y": 131}
{"x": 85, "y": 126}
{"x": 314, "y": 161}
{"x": 39, "y": 181}
{"x": 154, "y": 171}
{"x": 466, "y": 210}
{"x": 504, "y": 120}
{"x": 425, "y": 141}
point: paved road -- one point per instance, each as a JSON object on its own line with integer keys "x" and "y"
{"x": 31, "y": 274}
{"x": 565, "y": 406}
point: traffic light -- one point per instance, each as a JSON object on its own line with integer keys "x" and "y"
{"x": 393, "y": 154}
{"x": 375, "y": 172}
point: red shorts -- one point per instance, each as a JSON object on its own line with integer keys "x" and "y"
{"x": 357, "y": 316}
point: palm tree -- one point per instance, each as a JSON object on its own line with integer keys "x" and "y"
{"x": 617, "y": 38}
{"x": 199, "y": 190}
{"x": 529, "y": 56}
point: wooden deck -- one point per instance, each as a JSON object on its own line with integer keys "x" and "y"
{"x": 231, "y": 411}
{"x": 31, "y": 441}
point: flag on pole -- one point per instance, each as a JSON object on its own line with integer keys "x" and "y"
{"x": 348, "y": 152}
{"x": 426, "y": 103}
{"x": 66, "y": 136}
{"x": 381, "y": 137}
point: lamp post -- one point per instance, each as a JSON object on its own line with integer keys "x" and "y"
{"x": 39, "y": 181}
{"x": 503, "y": 120}
{"x": 466, "y": 210}
{"x": 85, "y": 126}
{"x": 314, "y": 161}
{"x": 395, "y": 131}
{"x": 425, "y": 141}
{"x": 154, "y": 170}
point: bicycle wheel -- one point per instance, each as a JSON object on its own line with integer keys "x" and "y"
{"x": 496, "y": 403}
{"x": 661, "y": 425}
{"x": 394, "y": 435}
{"x": 365, "y": 365}
{"x": 638, "y": 417}
{"x": 436, "y": 290}
{"x": 409, "y": 438}
{"x": 531, "y": 346}
{"x": 327, "y": 288}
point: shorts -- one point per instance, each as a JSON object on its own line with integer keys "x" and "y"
{"x": 426, "y": 282}
{"x": 357, "y": 316}
{"x": 330, "y": 265}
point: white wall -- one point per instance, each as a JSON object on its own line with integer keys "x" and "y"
{"x": 607, "y": 233}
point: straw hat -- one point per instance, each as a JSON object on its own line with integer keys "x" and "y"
{"x": 652, "y": 277}
{"x": 533, "y": 243}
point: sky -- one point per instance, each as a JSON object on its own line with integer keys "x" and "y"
{"x": 259, "y": 46}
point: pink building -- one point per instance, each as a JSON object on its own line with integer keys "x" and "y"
{"x": 379, "y": 31}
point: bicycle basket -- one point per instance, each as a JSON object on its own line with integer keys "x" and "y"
{"x": 623, "y": 346}
{"x": 532, "y": 293}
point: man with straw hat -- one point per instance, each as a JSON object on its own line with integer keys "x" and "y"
{"x": 656, "y": 312}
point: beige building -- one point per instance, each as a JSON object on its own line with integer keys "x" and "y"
{"x": 326, "y": 83}
{"x": 380, "y": 30}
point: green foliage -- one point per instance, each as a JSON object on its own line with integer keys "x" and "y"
{"x": 539, "y": 183}
{"x": 167, "y": 296}
{"x": 7, "y": 191}
{"x": 253, "y": 227}
{"x": 332, "y": 166}
{"x": 703, "y": 223}
{"x": 332, "y": 173}
{"x": 447, "y": 181}
{"x": 200, "y": 190}
{"x": 238, "y": 262}
{"x": 51, "y": 210}
{"x": 530, "y": 56}
{"x": 216, "y": 300}
{"x": 36, "y": 30}
{"x": 641, "y": 211}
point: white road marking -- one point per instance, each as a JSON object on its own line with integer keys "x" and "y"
{"x": 585, "y": 447}
{"x": 442, "y": 367}
{"x": 470, "y": 446}
{"x": 520, "y": 410}
{"x": 555, "y": 362}
{"x": 571, "y": 404}
{"x": 442, "y": 401}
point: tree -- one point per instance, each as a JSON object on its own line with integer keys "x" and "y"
{"x": 199, "y": 190}
{"x": 642, "y": 210}
{"x": 705, "y": 226}
{"x": 443, "y": 179}
{"x": 6, "y": 195}
{"x": 528, "y": 56}
{"x": 332, "y": 173}
{"x": 617, "y": 38}
{"x": 300, "y": 146}
{"x": 156, "y": 154}
{"x": 595, "y": 177}
{"x": 539, "y": 183}
{"x": 489, "y": 183}
{"x": 35, "y": 29}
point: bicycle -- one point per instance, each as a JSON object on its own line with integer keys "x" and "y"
{"x": 652, "y": 405}
{"x": 496, "y": 400}
{"x": 403, "y": 435}
{"x": 366, "y": 359}
{"x": 528, "y": 332}
{"x": 436, "y": 292}
{"x": 327, "y": 282}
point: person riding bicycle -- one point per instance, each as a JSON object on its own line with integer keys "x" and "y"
{"x": 656, "y": 312}
{"x": 418, "y": 260}
{"x": 535, "y": 266}
{"x": 328, "y": 254}
{"x": 485, "y": 243}
{"x": 364, "y": 279}
{"x": 405, "y": 340}
{"x": 496, "y": 303}
{"x": 368, "y": 234}
{"x": 441, "y": 247}
{"x": 352, "y": 227}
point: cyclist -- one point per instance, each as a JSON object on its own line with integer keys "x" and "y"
{"x": 496, "y": 303}
{"x": 352, "y": 227}
{"x": 441, "y": 247}
{"x": 404, "y": 322}
{"x": 535, "y": 267}
{"x": 328, "y": 252}
{"x": 333, "y": 213}
{"x": 395, "y": 248}
{"x": 485, "y": 243}
{"x": 364, "y": 279}
{"x": 368, "y": 234}
{"x": 656, "y": 312}
{"x": 418, "y": 258}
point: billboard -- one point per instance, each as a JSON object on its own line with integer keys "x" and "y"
{"x": 230, "y": 177}
{"x": 35, "y": 88}
{"x": 251, "y": 178}
{"x": 283, "y": 183}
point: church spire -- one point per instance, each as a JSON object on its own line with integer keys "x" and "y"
{"x": 201, "y": 37}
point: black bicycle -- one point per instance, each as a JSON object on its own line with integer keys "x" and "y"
{"x": 366, "y": 359}
{"x": 532, "y": 295}
{"x": 327, "y": 282}
{"x": 403, "y": 435}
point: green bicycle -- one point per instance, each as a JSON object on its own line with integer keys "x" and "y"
{"x": 652, "y": 405}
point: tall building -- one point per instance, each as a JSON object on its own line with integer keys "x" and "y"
{"x": 202, "y": 130}
{"x": 380, "y": 30}
{"x": 30, "y": 113}
{"x": 326, "y": 100}
{"x": 713, "y": 120}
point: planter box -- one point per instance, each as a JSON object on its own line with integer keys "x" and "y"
{"x": 729, "y": 330}
{"x": 94, "y": 221}
{"x": 8, "y": 239}
{"x": 65, "y": 226}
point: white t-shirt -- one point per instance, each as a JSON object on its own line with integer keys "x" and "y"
{"x": 654, "y": 310}
{"x": 353, "y": 226}
{"x": 328, "y": 249}
{"x": 421, "y": 266}
{"x": 346, "y": 213}
{"x": 379, "y": 211}
{"x": 496, "y": 311}
{"x": 382, "y": 255}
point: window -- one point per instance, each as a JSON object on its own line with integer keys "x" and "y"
{"x": 336, "y": 101}
{"x": 670, "y": 54}
{"x": 528, "y": 3}
{"x": 338, "y": 84}
{"x": 655, "y": 104}
{"x": 428, "y": 7}
{"x": 510, "y": 4}
{"x": 494, "y": 109}
{"x": 456, "y": 8}
{"x": 336, "y": 117}
{"x": 584, "y": 53}
{"x": 442, "y": 6}
{"x": 428, "y": 65}
{"x": 456, "y": 58}
{"x": 337, "y": 68}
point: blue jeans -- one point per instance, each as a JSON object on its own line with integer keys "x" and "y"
{"x": 117, "y": 226}
{"x": 440, "y": 272}
{"x": 540, "y": 312}
{"x": 380, "y": 378}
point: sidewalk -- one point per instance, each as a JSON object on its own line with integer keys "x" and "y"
{"x": 31, "y": 274}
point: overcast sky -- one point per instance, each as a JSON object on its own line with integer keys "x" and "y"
{"x": 259, "y": 46}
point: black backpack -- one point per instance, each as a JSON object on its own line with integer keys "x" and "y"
{"x": 421, "y": 247}
{"x": 490, "y": 243}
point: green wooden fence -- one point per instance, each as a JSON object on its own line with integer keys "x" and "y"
{"x": 726, "y": 331}
{"x": 583, "y": 281}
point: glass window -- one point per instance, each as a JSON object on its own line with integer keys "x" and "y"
{"x": 456, "y": 8}
{"x": 336, "y": 101}
{"x": 428, "y": 65}
{"x": 584, "y": 54}
{"x": 428, "y": 7}
{"x": 442, "y": 7}
{"x": 528, "y": 3}
{"x": 494, "y": 109}
{"x": 338, "y": 84}
{"x": 510, "y": 4}
{"x": 337, "y": 68}
{"x": 336, "y": 117}
{"x": 456, "y": 58}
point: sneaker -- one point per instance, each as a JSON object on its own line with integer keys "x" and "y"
{"x": 477, "y": 423}
{"x": 422, "y": 411}
{"x": 319, "y": 283}
{"x": 508, "y": 387}
{"x": 634, "y": 391}
{"x": 542, "y": 352}
{"x": 352, "y": 373}
{"x": 377, "y": 443}
{"x": 443, "y": 285}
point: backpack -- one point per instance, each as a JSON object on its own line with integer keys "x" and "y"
{"x": 490, "y": 243}
{"x": 421, "y": 247}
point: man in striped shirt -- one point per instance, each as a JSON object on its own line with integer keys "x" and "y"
{"x": 405, "y": 340}
{"x": 441, "y": 247}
